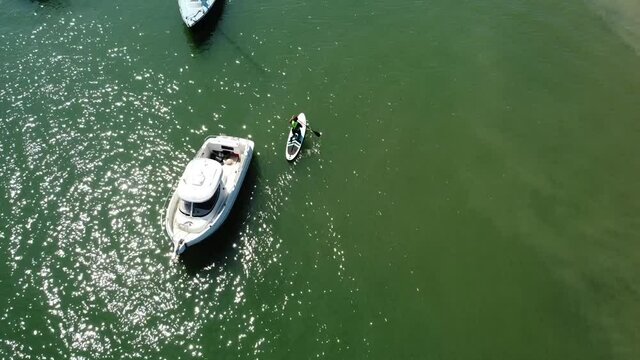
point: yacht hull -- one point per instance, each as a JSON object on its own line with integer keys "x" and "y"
{"x": 185, "y": 230}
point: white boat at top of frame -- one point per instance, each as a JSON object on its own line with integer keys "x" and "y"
{"x": 193, "y": 11}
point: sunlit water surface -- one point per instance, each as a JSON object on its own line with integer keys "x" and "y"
{"x": 424, "y": 223}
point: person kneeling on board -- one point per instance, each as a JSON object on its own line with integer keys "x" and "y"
{"x": 295, "y": 126}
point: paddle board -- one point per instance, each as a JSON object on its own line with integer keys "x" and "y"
{"x": 294, "y": 142}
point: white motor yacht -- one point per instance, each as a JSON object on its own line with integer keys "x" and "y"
{"x": 207, "y": 190}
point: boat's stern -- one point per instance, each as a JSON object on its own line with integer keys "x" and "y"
{"x": 249, "y": 145}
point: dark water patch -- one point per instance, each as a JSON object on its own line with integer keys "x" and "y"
{"x": 51, "y": 3}
{"x": 200, "y": 35}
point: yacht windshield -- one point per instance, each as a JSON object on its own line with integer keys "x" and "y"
{"x": 204, "y": 208}
{"x": 199, "y": 209}
{"x": 185, "y": 207}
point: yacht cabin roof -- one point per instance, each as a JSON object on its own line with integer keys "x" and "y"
{"x": 200, "y": 180}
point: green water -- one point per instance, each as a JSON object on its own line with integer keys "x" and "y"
{"x": 474, "y": 194}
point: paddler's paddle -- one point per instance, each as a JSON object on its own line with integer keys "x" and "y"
{"x": 316, "y": 133}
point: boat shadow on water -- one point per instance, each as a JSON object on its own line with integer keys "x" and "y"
{"x": 219, "y": 248}
{"x": 200, "y": 34}
{"x": 51, "y": 3}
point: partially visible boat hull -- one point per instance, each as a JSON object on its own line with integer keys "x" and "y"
{"x": 193, "y": 11}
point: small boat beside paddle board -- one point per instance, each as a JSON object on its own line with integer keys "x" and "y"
{"x": 192, "y": 11}
{"x": 207, "y": 190}
{"x": 294, "y": 141}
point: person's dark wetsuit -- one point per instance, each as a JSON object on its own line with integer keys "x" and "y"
{"x": 295, "y": 127}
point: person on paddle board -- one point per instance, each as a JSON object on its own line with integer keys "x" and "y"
{"x": 295, "y": 126}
